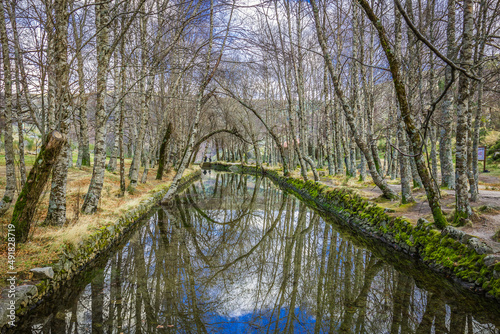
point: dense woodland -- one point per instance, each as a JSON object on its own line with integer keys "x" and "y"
{"x": 369, "y": 89}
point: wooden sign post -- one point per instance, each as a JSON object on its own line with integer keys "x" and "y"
{"x": 481, "y": 156}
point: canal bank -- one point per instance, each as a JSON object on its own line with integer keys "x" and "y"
{"x": 74, "y": 259}
{"x": 450, "y": 252}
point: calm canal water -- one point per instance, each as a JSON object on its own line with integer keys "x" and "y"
{"x": 234, "y": 254}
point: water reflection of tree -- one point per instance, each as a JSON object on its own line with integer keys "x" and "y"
{"x": 238, "y": 252}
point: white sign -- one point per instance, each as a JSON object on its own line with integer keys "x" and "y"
{"x": 481, "y": 153}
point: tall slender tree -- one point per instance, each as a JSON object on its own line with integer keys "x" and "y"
{"x": 10, "y": 184}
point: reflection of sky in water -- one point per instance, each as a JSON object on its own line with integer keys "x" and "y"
{"x": 237, "y": 263}
{"x": 252, "y": 323}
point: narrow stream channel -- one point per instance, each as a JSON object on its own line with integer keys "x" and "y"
{"x": 235, "y": 254}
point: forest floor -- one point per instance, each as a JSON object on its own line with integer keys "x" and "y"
{"x": 484, "y": 224}
{"x": 45, "y": 242}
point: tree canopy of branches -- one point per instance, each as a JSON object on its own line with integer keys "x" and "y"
{"x": 358, "y": 88}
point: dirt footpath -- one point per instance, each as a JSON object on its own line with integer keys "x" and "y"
{"x": 487, "y": 208}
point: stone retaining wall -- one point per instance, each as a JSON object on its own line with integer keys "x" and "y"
{"x": 450, "y": 252}
{"x": 75, "y": 259}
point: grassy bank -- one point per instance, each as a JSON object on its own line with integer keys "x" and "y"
{"x": 47, "y": 242}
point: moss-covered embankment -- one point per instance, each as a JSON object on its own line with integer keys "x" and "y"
{"x": 75, "y": 259}
{"x": 449, "y": 251}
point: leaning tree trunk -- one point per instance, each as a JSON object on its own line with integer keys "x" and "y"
{"x": 188, "y": 150}
{"x": 377, "y": 178}
{"x": 27, "y": 202}
{"x": 414, "y": 135}
{"x": 163, "y": 151}
{"x": 311, "y": 163}
{"x": 56, "y": 214}
{"x": 269, "y": 130}
{"x": 201, "y": 100}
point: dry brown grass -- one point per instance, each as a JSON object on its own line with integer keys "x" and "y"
{"x": 491, "y": 138}
{"x": 45, "y": 243}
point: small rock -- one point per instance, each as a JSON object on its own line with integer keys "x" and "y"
{"x": 421, "y": 223}
{"x": 7, "y": 312}
{"x": 21, "y": 296}
{"x": 465, "y": 238}
{"x": 491, "y": 259}
{"x": 22, "y": 292}
{"x": 67, "y": 265}
{"x": 496, "y": 274}
{"x": 43, "y": 273}
{"x": 453, "y": 232}
{"x": 479, "y": 246}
